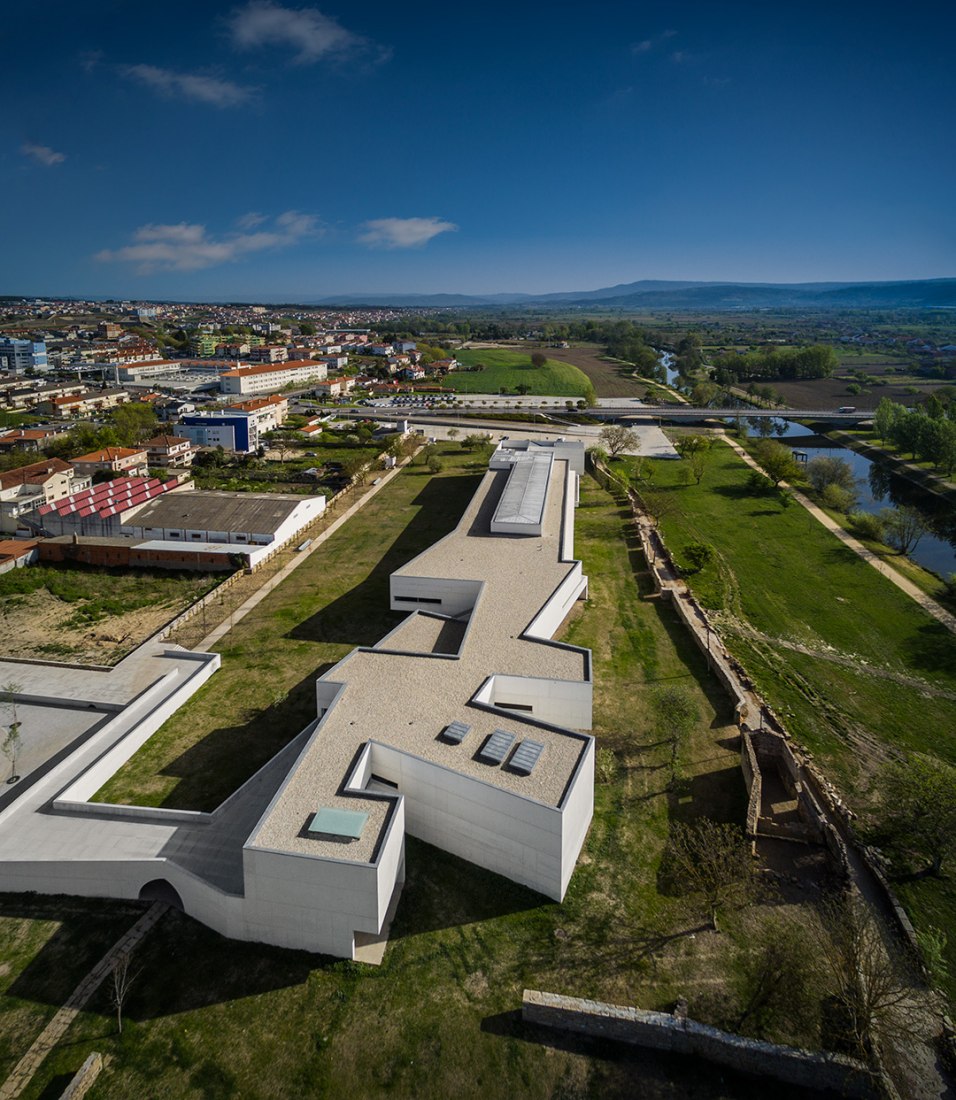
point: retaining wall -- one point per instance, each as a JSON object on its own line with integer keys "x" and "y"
{"x": 678, "y": 1035}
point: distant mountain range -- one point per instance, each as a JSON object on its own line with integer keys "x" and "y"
{"x": 658, "y": 294}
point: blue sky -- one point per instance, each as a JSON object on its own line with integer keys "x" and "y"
{"x": 272, "y": 151}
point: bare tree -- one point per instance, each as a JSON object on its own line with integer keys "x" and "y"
{"x": 877, "y": 1005}
{"x": 903, "y": 527}
{"x": 711, "y": 859}
{"x": 121, "y": 979}
{"x": 13, "y": 741}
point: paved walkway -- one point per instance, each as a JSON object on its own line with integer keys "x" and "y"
{"x": 54, "y": 1031}
{"x": 257, "y": 597}
{"x": 928, "y": 604}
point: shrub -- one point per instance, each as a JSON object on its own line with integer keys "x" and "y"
{"x": 866, "y": 525}
{"x": 838, "y": 498}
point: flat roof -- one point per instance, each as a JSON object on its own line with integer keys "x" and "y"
{"x": 219, "y": 511}
{"x": 522, "y": 501}
{"x": 405, "y": 700}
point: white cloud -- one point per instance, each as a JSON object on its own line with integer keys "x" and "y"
{"x": 403, "y": 232}
{"x": 187, "y": 246}
{"x": 251, "y": 220}
{"x": 309, "y": 33}
{"x": 42, "y": 154}
{"x": 203, "y": 89}
{"x": 648, "y": 44}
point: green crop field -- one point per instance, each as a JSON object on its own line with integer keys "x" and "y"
{"x": 509, "y": 369}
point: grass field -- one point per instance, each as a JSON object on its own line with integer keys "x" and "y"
{"x": 213, "y": 1018}
{"x": 266, "y": 687}
{"x": 508, "y": 369}
{"x": 856, "y": 669}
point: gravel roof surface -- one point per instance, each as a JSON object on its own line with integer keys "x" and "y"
{"x": 406, "y": 701}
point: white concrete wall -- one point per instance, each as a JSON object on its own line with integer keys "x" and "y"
{"x": 577, "y": 810}
{"x": 565, "y": 703}
{"x": 545, "y": 624}
{"x": 455, "y": 597}
{"x": 143, "y": 717}
{"x": 504, "y": 832}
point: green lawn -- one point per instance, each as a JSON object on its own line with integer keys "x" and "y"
{"x": 508, "y": 369}
{"x": 214, "y": 1018}
{"x": 264, "y": 694}
{"x": 874, "y": 673}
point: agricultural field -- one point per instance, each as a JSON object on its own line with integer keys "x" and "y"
{"x": 507, "y": 369}
{"x": 90, "y": 614}
{"x": 890, "y": 376}
{"x": 609, "y": 377}
{"x": 214, "y": 1018}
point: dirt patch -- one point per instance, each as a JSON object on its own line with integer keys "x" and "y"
{"x": 38, "y": 627}
{"x": 609, "y": 378}
{"x": 831, "y": 393}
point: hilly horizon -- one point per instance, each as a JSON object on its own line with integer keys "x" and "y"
{"x": 689, "y": 295}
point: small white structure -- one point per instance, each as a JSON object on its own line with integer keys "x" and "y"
{"x": 462, "y": 726}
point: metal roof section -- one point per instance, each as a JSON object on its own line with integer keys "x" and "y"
{"x": 526, "y": 755}
{"x": 456, "y": 732}
{"x": 341, "y": 824}
{"x": 495, "y": 749}
{"x": 220, "y": 511}
{"x": 521, "y": 507}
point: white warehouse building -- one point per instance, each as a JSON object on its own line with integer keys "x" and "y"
{"x": 464, "y": 726}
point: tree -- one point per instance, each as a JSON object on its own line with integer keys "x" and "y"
{"x": 777, "y": 460}
{"x": 699, "y": 554}
{"x": 615, "y": 438}
{"x": 355, "y": 468}
{"x": 121, "y": 979}
{"x": 694, "y": 449}
{"x": 903, "y": 527}
{"x": 538, "y": 359}
{"x": 133, "y": 423}
{"x": 823, "y": 471}
{"x": 711, "y": 859}
{"x": 13, "y": 741}
{"x": 885, "y": 418}
{"x": 434, "y": 464}
{"x": 873, "y": 1003}
{"x": 918, "y": 809}
{"x": 675, "y": 715}
{"x": 476, "y": 441}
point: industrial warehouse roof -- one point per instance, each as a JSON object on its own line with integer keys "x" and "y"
{"x": 262, "y": 513}
{"x": 109, "y": 498}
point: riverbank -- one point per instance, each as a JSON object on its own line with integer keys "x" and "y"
{"x": 924, "y": 479}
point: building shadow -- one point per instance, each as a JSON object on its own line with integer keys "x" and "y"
{"x": 443, "y": 891}
{"x": 361, "y": 616}
{"x": 215, "y": 767}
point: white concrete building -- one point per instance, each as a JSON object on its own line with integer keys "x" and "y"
{"x": 463, "y": 726}
{"x": 270, "y": 378}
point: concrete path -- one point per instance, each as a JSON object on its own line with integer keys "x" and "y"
{"x": 257, "y": 597}
{"x": 928, "y": 604}
{"x": 54, "y": 1031}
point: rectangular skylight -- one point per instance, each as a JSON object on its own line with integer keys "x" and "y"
{"x": 495, "y": 749}
{"x": 456, "y": 732}
{"x": 525, "y": 757}
{"x": 344, "y": 824}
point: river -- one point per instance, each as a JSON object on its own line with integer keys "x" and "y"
{"x": 879, "y": 487}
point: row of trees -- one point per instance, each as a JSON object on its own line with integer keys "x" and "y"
{"x": 928, "y": 432}
{"x": 768, "y": 364}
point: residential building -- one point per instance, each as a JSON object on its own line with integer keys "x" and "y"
{"x": 269, "y": 353}
{"x": 29, "y": 439}
{"x": 335, "y": 387}
{"x": 270, "y": 412}
{"x": 83, "y": 404}
{"x": 22, "y": 491}
{"x": 130, "y": 461}
{"x": 272, "y": 377}
{"x": 171, "y": 452}
{"x": 21, "y": 356}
